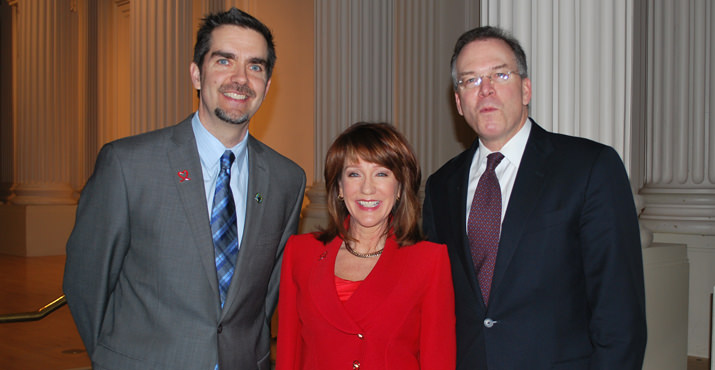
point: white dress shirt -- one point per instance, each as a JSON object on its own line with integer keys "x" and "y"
{"x": 506, "y": 171}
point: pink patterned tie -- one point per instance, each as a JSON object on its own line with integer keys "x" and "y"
{"x": 484, "y": 224}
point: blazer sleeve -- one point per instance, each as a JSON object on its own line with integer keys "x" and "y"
{"x": 438, "y": 347}
{"x": 290, "y": 229}
{"x": 97, "y": 246}
{"x": 613, "y": 266}
{"x": 289, "y": 327}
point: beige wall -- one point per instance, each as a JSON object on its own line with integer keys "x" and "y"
{"x": 285, "y": 121}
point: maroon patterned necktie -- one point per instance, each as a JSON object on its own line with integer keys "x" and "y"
{"x": 484, "y": 224}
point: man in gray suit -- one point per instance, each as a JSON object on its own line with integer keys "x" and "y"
{"x": 141, "y": 277}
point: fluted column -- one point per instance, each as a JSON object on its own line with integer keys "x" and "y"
{"x": 353, "y": 67}
{"x": 161, "y": 44}
{"x": 387, "y": 61}
{"x": 679, "y": 190}
{"x": 354, "y": 79}
{"x": 578, "y": 55}
{"x": 213, "y": 6}
{"x": 43, "y": 127}
{"x": 46, "y": 108}
{"x": 680, "y": 172}
{"x": 7, "y": 39}
{"x": 425, "y": 33}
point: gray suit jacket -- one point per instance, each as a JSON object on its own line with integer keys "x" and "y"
{"x": 140, "y": 277}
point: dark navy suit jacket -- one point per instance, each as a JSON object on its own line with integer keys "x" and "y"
{"x": 568, "y": 289}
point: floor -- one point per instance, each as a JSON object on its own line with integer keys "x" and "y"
{"x": 27, "y": 284}
{"x": 52, "y": 343}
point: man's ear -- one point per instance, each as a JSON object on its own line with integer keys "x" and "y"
{"x": 195, "y": 75}
{"x": 268, "y": 86}
{"x": 526, "y": 91}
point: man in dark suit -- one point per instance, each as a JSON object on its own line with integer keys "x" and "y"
{"x": 541, "y": 230}
{"x": 174, "y": 259}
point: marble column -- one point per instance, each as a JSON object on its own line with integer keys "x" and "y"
{"x": 45, "y": 117}
{"x": 679, "y": 189}
{"x": 387, "y": 61}
{"x": 353, "y": 79}
{"x": 425, "y": 33}
{"x": 204, "y": 7}
{"x": 7, "y": 147}
{"x": 161, "y": 49}
{"x": 578, "y": 54}
{"x": 46, "y": 44}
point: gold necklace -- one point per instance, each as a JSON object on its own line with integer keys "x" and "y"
{"x": 363, "y": 255}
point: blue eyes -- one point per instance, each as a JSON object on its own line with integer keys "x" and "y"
{"x": 253, "y": 67}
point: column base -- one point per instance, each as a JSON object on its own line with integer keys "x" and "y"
{"x": 35, "y": 230}
{"x": 666, "y": 270}
{"x": 701, "y": 257}
{"x": 43, "y": 194}
{"x": 315, "y": 215}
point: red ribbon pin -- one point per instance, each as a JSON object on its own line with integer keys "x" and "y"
{"x": 184, "y": 175}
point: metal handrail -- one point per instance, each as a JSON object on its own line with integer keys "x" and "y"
{"x": 34, "y": 315}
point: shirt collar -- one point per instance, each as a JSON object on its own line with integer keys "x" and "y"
{"x": 211, "y": 149}
{"x": 513, "y": 150}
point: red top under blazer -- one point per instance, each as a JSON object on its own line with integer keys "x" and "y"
{"x": 401, "y": 316}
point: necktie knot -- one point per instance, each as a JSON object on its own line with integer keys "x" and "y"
{"x": 493, "y": 160}
{"x": 226, "y": 161}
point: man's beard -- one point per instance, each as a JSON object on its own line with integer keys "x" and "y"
{"x": 222, "y": 115}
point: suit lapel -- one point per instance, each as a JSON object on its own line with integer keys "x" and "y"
{"x": 258, "y": 175}
{"x": 528, "y": 186}
{"x": 458, "y": 200}
{"x": 324, "y": 294}
{"x": 184, "y": 156}
{"x": 373, "y": 291}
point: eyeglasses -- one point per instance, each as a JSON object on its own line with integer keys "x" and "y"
{"x": 476, "y": 81}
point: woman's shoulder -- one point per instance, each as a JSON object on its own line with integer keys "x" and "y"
{"x": 307, "y": 238}
{"x": 426, "y": 260}
{"x": 306, "y": 243}
{"x": 425, "y": 248}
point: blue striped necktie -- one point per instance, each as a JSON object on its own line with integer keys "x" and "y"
{"x": 223, "y": 226}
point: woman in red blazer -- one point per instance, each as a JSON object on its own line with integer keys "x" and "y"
{"x": 367, "y": 292}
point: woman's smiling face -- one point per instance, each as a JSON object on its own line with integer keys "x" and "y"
{"x": 369, "y": 191}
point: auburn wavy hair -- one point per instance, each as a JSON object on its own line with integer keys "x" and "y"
{"x": 382, "y": 144}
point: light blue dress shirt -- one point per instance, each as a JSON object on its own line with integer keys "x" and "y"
{"x": 210, "y": 151}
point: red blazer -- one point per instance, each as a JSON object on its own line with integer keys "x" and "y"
{"x": 401, "y": 316}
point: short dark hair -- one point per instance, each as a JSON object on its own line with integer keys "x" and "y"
{"x": 382, "y": 144}
{"x": 485, "y": 33}
{"x": 235, "y": 17}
